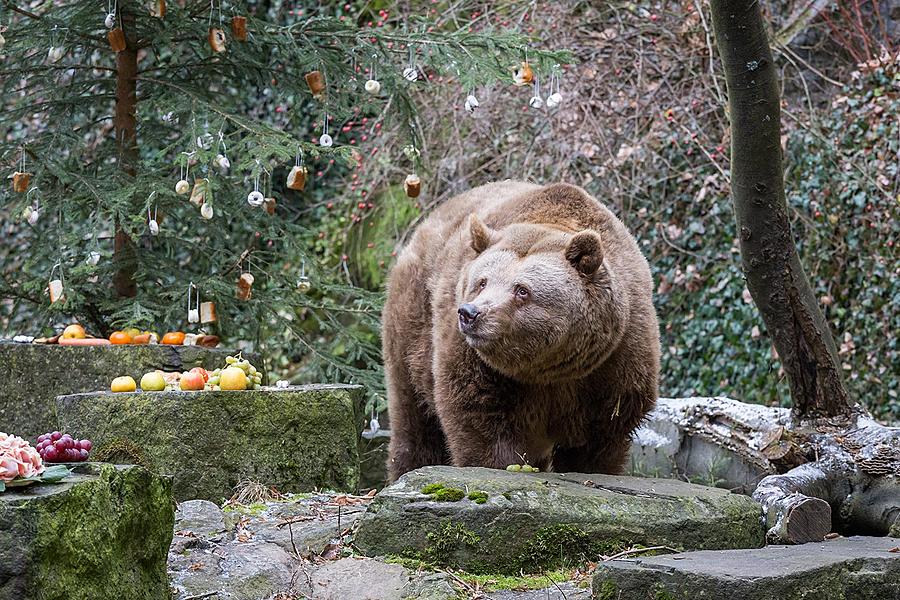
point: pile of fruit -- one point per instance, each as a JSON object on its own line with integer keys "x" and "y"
{"x": 237, "y": 374}
{"x": 59, "y": 447}
{"x": 75, "y": 335}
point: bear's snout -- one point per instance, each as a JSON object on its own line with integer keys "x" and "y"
{"x": 468, "y": 315}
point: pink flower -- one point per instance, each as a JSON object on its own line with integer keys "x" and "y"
{"x": 18, "y": 458}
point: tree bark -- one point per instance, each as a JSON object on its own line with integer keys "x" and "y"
{"x": 775, "y": 277}
{"x": 125, "y": 122}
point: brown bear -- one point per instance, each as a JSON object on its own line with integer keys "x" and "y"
{"x": 519, "y": 326}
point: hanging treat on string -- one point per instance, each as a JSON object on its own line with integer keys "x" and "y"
{"x": 207, "y": 312}
{"x": 55, "y": 287}
{"x": 200, "y": 192}
{"x": 522, "y": 73}
{"x": 183, "y": 187}
{"x": 239, "y": 27}
{"x": 158, "y": 8}
{"x": 555, "y": 98}
{"x": 316, "y": 82}
{"x": 413, "y": 185}
{"x": 536, "y": 101}
{"x": 116, "y": 35}
{"x": 93, "y": 257}
{"x": 373, "y": 86}
{"x": 471, "y": 103}
{"x": 325, "y": 140}
{"x": 110, "y": 20}
{"x": 269, "y": 205}
{"x": 206, "y": 211}
{"x": 216, "y": 37}
{"x": 245, "y": 286}
{"x": 33, "y": 211}
{"x": 296, "y": 179}
{"x": 152, "y": 223}
{"x": 303, "y": 282}
{"x": 411, "y": 73}
{"x": 21, "y": 178}
{"x": 55, "y": 53}
{"x": 221, "y": 161}
{"x": 255, "y": 198}
{"x": 193, "y": 304}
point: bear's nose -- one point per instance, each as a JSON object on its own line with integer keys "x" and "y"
{"x": 468, "y": 313}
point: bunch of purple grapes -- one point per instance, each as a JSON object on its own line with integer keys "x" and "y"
{"x": 59, "y": 447}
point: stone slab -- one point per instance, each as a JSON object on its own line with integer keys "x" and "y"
{"x": 294, "y": 439}
{"x": 539, "y": 521}
{"x": 855, "y": 568}
{"x": 102, "y": 532}
{"x": 35, "y": 374}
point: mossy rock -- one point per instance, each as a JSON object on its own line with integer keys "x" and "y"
{"x": 37, "y": 373}
{"x": 531, "y": 522}
{"x": 103, "y": 532}
{"x": 294, "y": 439}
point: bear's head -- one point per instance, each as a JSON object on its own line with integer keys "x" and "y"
{"x": 539, "y": 304}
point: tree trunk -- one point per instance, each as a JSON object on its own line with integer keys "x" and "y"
{"x": 775, "y": 277}
{"x": 125, "y": 122}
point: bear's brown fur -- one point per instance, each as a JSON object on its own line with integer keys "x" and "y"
{"x": 560, "y": 357}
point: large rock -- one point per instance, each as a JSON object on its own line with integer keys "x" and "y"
{"x": 857, "y": 568}
{"x": 538, "y": 521}
{"x": 100, "y": 533}
{"x": 294, "y": 439}
{"x": 35, "y": 374}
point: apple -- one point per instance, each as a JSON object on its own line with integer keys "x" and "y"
{"x": 74, "y": 332}
{"x": 123, "y": 384}
{"x": 202, "y": 371}
{"x": 153, "y": 382}
{"x": 191, "y": 381}
{"x": 233, "y": 378}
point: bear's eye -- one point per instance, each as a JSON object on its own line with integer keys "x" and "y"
{"x": 522, "y": 292}
{"x": 482, "y": 283}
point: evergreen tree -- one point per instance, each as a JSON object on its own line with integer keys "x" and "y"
{"x": 108, "y": 104}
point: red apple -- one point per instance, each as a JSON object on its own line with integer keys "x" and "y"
{"x": 192, "y": 381}
{"x": 202, "y": 371}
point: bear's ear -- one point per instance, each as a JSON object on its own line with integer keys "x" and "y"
{"x": 585, "y": 252}
{"x": 482, "y": 235}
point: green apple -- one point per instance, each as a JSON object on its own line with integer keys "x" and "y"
{"x": 153, "y": 382}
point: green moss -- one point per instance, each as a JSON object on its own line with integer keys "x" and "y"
{"x": 493, "y": 582}
{"x": 254, "y": 509}
{"x": 103, "y": 533}
{"x": 448, "y": 495}
{"x": 607, "y": 591}
{"x": 662, "y": 593}
{"x": 559, "y": 545}
{"x": 447, "y": 540}
{"x": 121, "y": 451}
{"x": 441, "y": 493}
{"x": 478, "y": 497}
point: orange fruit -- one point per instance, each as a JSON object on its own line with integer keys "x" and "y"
{"x": 120, "y": 337}
{"x": 143, "y": 338}
{"x": 174, "y": 338}
{"x": 74, "y": 332}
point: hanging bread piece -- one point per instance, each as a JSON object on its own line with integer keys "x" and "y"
{"x": 216, "y": 39}
{"x": 116, "y": 39}
{"x": 239, "y": 28}
{"x": 316, "y": 83}
{"x": 296, "y": 179}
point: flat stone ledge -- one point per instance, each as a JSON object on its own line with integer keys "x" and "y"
{"x": 102, "y": 532}
{"x": 37, "y": 373}
{"x": 540, "y": 521}
{"x": 855, "y": 568}
{"x": 295, "y": 439}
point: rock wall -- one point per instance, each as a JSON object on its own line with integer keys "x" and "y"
{"x": 295, "y": 439}
{"x": 101, "y": 533}
{"x": 37, "y": 373}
